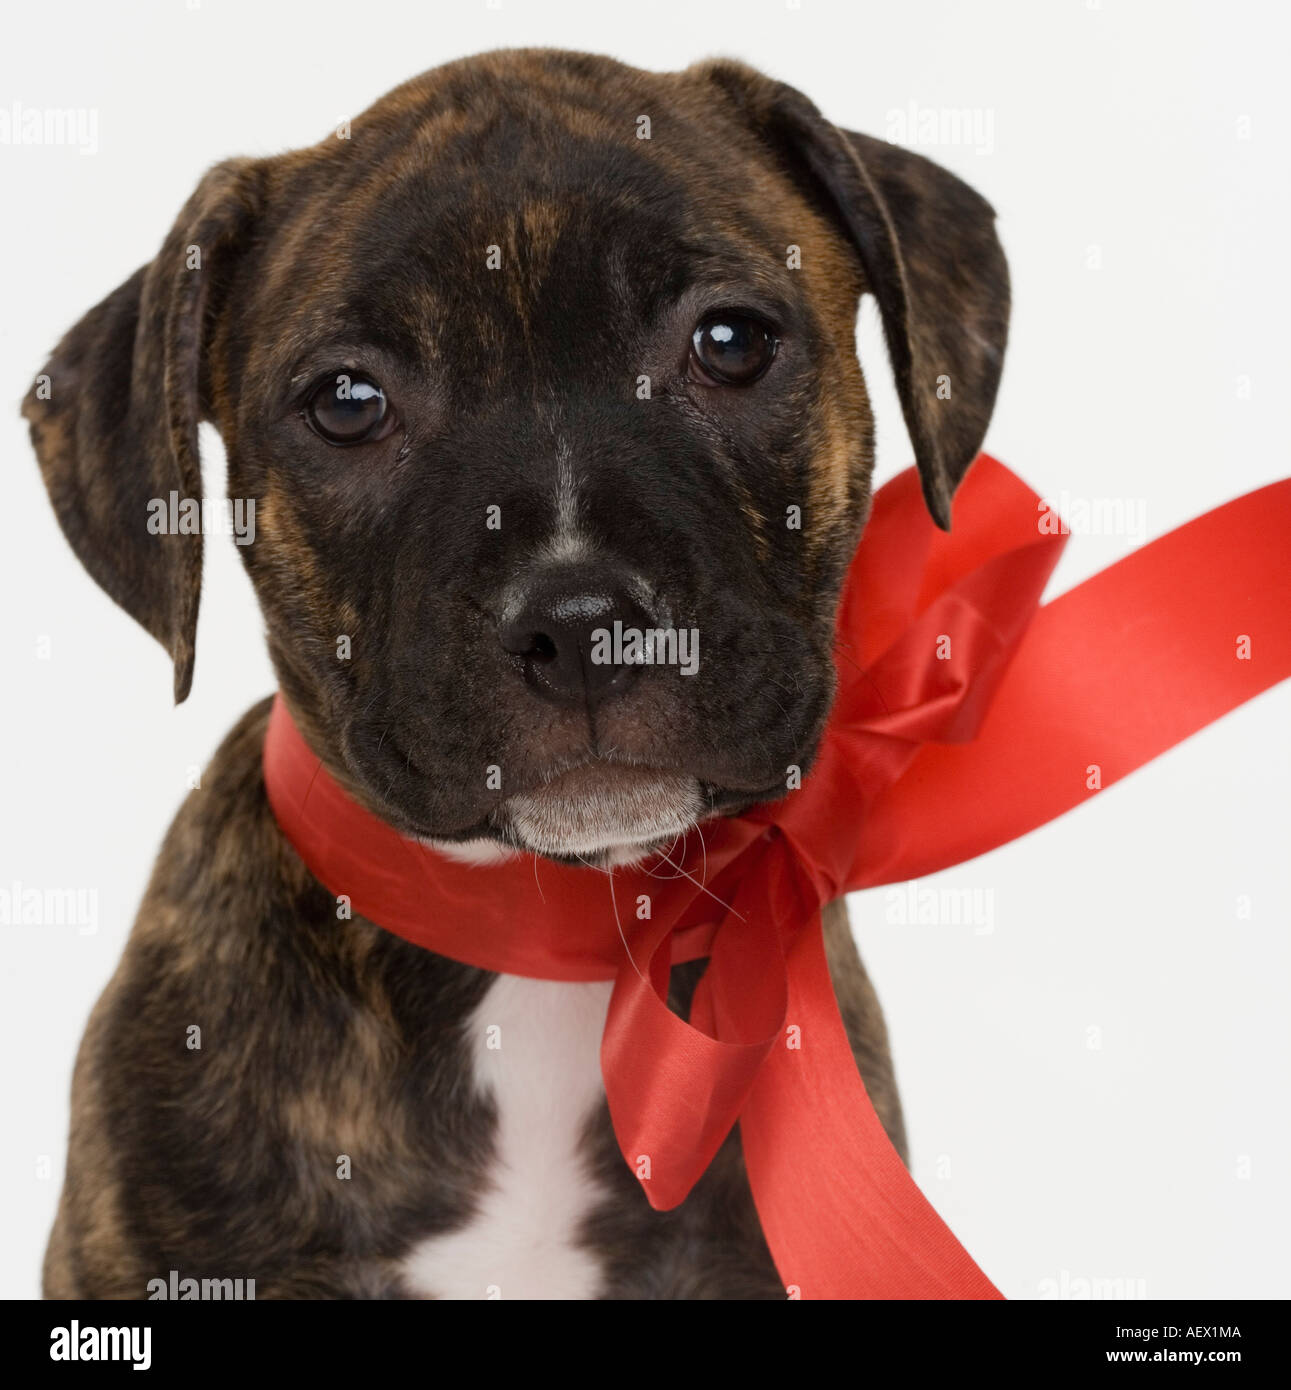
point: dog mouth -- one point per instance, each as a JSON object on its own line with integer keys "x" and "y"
{"x": 601, "y": 810}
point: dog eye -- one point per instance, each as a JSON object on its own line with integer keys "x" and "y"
{"x": 729, "y": 349}
{"x": 348, "y": 409}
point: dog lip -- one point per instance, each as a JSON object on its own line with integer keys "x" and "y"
{"x": 636, "y": 802}
{"x": 600, "y": 805}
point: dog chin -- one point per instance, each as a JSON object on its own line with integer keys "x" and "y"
{"x": 602, "y": 813}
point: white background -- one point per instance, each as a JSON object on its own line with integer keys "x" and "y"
{"x": 1137, "y": 158}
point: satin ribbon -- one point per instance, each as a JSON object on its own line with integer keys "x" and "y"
{"x": 966, "y": 715}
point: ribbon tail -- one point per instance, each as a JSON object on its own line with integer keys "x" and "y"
{"x": 842, "y": 1216}
{"x": 1109, "y": 676}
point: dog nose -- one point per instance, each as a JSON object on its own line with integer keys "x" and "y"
{"x": 562, "y": 630}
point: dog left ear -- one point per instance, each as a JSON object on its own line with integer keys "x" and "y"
{"x": 114, "y": 415}
{"x": 931, "y": 258}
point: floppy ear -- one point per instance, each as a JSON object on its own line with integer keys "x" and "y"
{"x": 115, "y": 411}
{"x": 931, "y": 258}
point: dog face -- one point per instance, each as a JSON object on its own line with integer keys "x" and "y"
{"x": 542, "y": 377}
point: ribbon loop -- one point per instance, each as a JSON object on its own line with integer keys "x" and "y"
{"x": 676, "y": 1087}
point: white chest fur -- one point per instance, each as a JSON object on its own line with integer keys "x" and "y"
{"x": 536, "y": 1048}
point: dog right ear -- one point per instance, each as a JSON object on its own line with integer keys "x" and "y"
{"x": 115, "y": 411}
{"x": 932, "y": 260}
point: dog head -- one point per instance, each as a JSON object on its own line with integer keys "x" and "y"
{"x": 542, "y": 378}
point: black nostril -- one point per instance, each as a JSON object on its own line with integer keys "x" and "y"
{"x": 551, "y": 631}
{"x": 531, "y": 646}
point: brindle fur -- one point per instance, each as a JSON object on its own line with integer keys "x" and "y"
{"x": 321, "y": 1038}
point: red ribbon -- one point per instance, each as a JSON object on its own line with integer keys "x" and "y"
{"x": 966, "y": 715}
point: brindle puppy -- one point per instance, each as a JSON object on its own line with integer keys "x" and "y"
{"x": 634, "y": 338}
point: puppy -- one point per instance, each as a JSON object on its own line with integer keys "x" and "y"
{"x": 540, "y": 344}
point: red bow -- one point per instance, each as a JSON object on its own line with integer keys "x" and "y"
{"x": 966, "y": 715}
